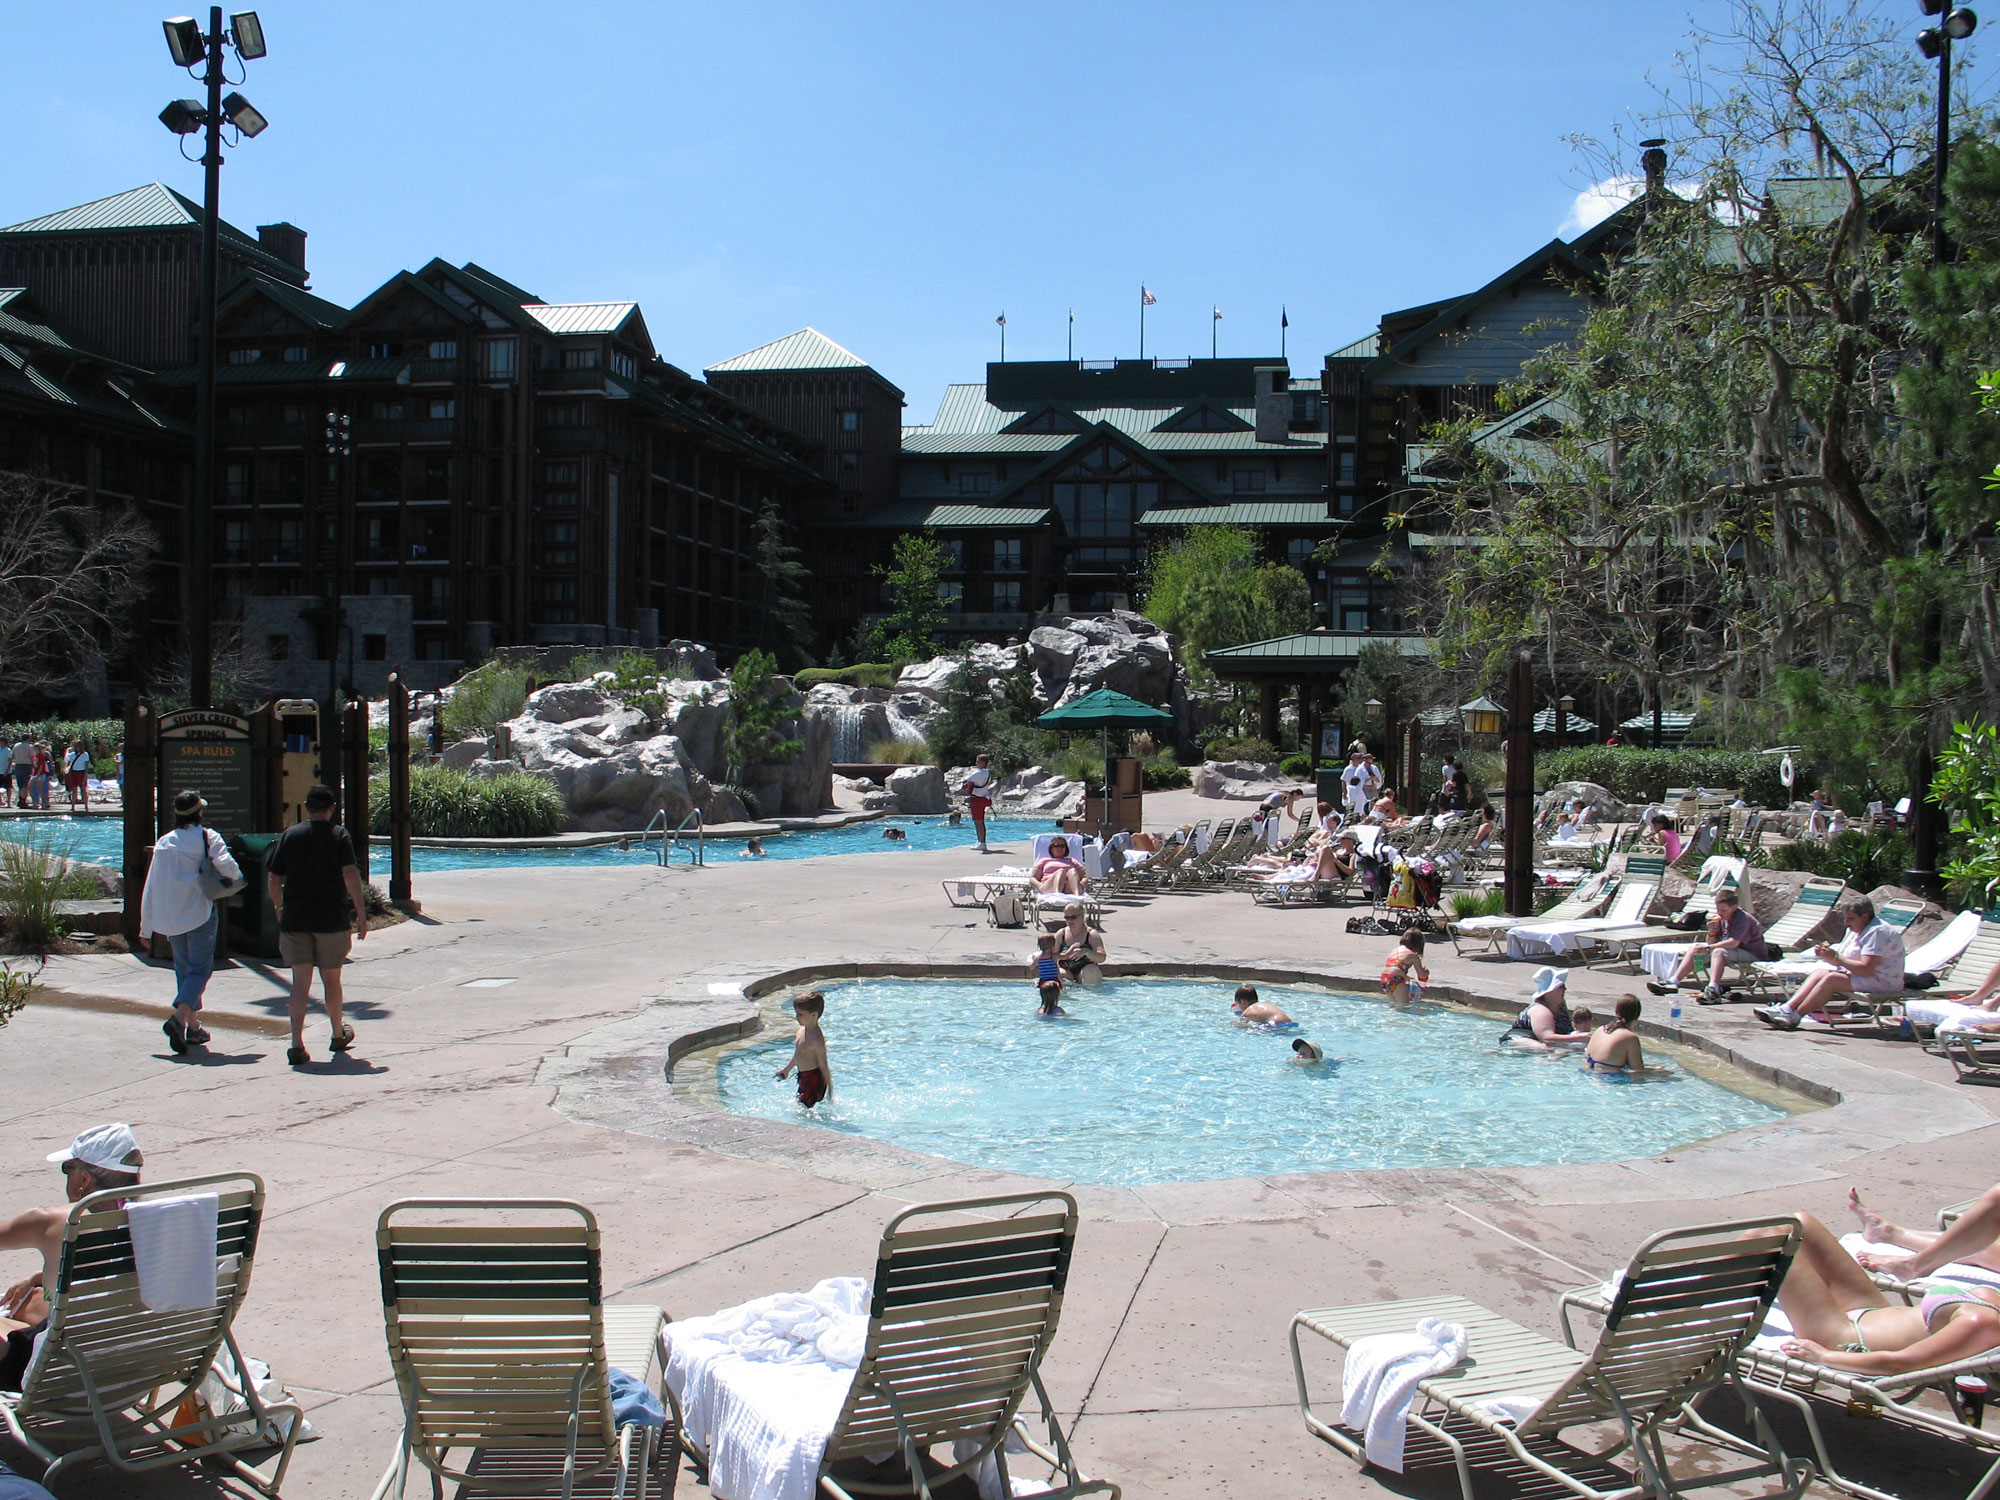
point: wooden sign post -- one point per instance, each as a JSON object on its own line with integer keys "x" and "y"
{"x": 141, "y": 745}
{"x": 207, "y": 750}
{"x": 399, "y": 789}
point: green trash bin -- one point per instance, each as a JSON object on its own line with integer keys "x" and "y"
{"x": 253, "y": 926}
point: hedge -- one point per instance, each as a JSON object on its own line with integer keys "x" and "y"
{"x": 1644, "y": 775}
{"x": 872, "y": 674}
{"x": 448, "y": 804}
{"x": 57, "y": 733}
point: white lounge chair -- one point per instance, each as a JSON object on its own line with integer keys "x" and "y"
{"x": 1685, "y": 1308}
{"x": 1545, "y": 939}
{"x": 1489, "y": 932}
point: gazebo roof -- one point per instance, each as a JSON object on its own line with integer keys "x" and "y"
{"x": 1311, "y": 653}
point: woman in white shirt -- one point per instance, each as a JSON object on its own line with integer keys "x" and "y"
{"x": 1868, "y": 961}
{"x": 174, "y": 905}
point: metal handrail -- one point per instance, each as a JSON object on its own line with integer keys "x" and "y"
{"x": 670, "y": 838}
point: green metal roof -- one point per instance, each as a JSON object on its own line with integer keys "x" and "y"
{"x": 300, "y": 303}
{"x": 581, "y": 317}
{"x": 1322, "y": 649}
{"x": 1241, "y": 513}
{"x": 154, "y": 206}
{"x": 920, "y": 516}
{"x": 1366, "y": 347}
{"x": 967, "y": 422}
{"x": 808, "y": 349}
{"x": 20, "y": 319}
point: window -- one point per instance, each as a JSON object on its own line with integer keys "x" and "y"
{"x": 435, "y": 483}
{"x": 559, "y": 590}
{"x": 378, "y": 539}
{"x": 1103, "y": 493}
{"x": 579, "y": 359}
{"x": 291, "y": 412}
{"x": 444, "y": 349}
{"x": 236, "y": 541}
{"x": 239, "y": 416}
{"x": 236, "y": 484}
{"x": 386, "y": 411}
{"x": 623, "y": 364}
{"x": 850, "y": 421}
{"x": 951, "y": 597}
{"x": 499, "y": 358}
{"x": 850, "y": 463}
{"x": 1007, "y": 555}
{"x": 443, "y": 410}
{"x": 379, "y": 585}
{"x": 565, "y": 414}
{"x": 436, "y": 648}
{"x": 1248, "y": 481}
{"x": 374, "y": 647}
{"x": 382, "y": 477}
{"x": 1346, "y": 469}
{"x": 245, "y": 356}
{"x": 954, "y": 555}
{"x": 1007, "y": 596}
{"x": 559, "y": 540}
{"x": 278, "y": 647}
{"x": 973, "y": 483}
{"x": 437, "y": 596}
{"x": 297, "y": 354}
{"x": 291, "y": 539}
{"x": 383, "y": 351}
{"x": 1299, "y": 551}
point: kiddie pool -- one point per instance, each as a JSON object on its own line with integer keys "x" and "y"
{"x": 1151, "y": 1081}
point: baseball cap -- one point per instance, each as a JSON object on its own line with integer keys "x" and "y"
{"x": 1549, "y": 978}
{"x": 319, "y": 798}
{"x": 110, "y": 1148}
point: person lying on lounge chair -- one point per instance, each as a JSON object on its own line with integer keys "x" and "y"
{"x": 1056, "y": 871}
{"x": 1971, "y": 1239}
{"x": 1329, "y": 862}
{"x": 1842, "y": 1319}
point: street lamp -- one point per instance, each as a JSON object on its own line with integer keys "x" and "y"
{"x": 1481, "y": 716}
{"x": 191, "y": 48}
{"x": 1958, "y": 23}
{"x": 1565, "y": 706}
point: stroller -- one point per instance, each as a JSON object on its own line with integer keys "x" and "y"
{"x": 1414, "y": 890}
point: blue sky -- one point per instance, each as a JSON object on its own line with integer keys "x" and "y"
{"x": 892, "y": 174}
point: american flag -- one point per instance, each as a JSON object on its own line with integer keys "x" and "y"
{"x": 1146, "y": 298}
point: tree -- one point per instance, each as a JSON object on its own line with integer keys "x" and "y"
{"x": 1207, "y": 587}
{"x": 910, "y": 585}
{"x": 761, "y": 714}
{"x": 1736, "y": 450}
{"x": 71, "y": 572}
{"x": 784, "y": 621}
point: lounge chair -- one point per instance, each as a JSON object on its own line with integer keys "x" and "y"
{"x": 1685, "y": 1307}
{"x": 961, "y": 1315}
{"x": 111, "y": 1374}
{"x": 1814, "y": 904}
{"x": 1489, "y": 932}
{"x": 502, "y": 1346}
{"x": 1543, "y": 937}
{"x": 1622, "y": 945}
{"x": 1899, "y": 914}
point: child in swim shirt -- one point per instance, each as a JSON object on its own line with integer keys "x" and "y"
{"x": 1048, "y": 974}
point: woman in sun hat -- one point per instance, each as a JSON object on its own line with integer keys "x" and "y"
{"x": 1546, "y": 1021}
{"x": 175, "y": 904}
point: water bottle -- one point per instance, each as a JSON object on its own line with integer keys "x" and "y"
{"x": 1674, "y": 1008}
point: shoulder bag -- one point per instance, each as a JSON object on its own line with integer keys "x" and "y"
{"x": 215, "y": 886}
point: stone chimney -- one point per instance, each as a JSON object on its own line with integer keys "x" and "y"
{"x": 286, "y": 241}
{"x": 1274, "y": 403}
{"x": 1653, "y": 160}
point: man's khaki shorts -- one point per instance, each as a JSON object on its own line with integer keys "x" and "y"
{"x": 315, "y": 950}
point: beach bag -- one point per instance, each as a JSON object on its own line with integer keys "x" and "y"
{"x": 1006, "y": 909}
{"x": 214, "y": 886}
{"x": 220, "y": 1394}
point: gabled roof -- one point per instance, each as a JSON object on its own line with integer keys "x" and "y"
{"x": 1554, "y": 256}
{"x": 921, "y": 515}
{"x": 499, "y": 284}
{"x": 1242, "y": 513}
{"x": 315, "y": 312}
{"x": 1101, "y": 432}
{"x": 154, "y": 206}
{"x": 1366, "y": 347}
{"x": 808, "y": 349}
{"x": 410, "y": 281}
{"x": 1047, "y": 419}
{"x": 1183, "y": 420}
{"x": 1328, "y": 650}
{"x": 584, "y": 317}
{"x": 21, "y": 319}
{"x": 967, "y": 422}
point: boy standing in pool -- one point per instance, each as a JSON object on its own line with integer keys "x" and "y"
{"x": 809, "y": 1051}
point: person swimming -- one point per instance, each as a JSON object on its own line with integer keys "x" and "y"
{"x": 1306, "y": 1053}
{"x": 1254, "y": 1012}
{"x": 894, "y": 833}
{"x": 1614, "y": 1047}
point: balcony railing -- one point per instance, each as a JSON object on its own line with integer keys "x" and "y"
{"x": 433, "y": 371}
{"x": 405, "y": 430}
{"x": 570, "y": 380}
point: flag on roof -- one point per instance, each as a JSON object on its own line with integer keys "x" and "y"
{"x": 1215, "y": 312}
{"x": 1146, "y": 298}
{"x": 1001, "y": 320}
{"x": 1284, "y": 318}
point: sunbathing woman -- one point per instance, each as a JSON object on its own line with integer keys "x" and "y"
{"x": 1324, "y": 863}
{"x": 1841, "y": 1318}
{"x": 1056, "y": 872}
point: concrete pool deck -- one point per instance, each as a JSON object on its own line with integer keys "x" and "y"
{"x": 1170, "y": 1363}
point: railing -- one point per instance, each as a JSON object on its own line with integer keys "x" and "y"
{"x": 670, "y": 838}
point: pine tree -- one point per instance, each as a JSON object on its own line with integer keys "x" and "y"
{"x": 784, "y": 626}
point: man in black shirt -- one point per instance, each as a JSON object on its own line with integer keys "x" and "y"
{"x": 316, "y": 893}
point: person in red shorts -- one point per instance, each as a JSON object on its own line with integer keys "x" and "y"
{"x": 809, "y": 1051}
{"x": 978, "y": 786}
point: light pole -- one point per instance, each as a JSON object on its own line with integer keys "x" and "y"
{"x": 191, "y": 48}
{"x": 1957, "y": 23}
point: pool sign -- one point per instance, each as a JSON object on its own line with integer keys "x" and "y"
{"x": 208, "y": 751}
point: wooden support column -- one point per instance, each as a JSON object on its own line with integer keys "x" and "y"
{"x": 354, "y": 778}
{"x": 1520, "y": 810}
{"x": 1413, "y": 767}
{"x": 399, "y": 789}
{"x": 1267, "y": 711}
{"x": 141, "y": 814}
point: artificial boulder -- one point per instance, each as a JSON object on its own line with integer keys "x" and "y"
{"x": 465, "y": 754}
{"x": 917, "y": 789}
{"x": 1238, "y": 780}
{"x": 1604, "y": 807}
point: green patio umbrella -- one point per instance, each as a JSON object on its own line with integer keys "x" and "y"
{"x": 1105, "y": 711}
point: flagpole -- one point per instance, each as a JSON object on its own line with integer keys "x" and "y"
{"x": 1214, "y": 326}
{"x": 1142, "y": 320}
{"x": 1284, "y": 326}
{"x": 1072, "y": 335}
{"x": 1003, "y": 337}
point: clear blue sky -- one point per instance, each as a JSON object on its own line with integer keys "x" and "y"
{"x": 892, "y": 174}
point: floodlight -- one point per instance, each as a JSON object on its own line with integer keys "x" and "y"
{"x": 184, "y": 116}
{"x": 1960, "y": 24}
{"x": 184, "y": 40}
{"x": 244, "y": 115}
{"x": 1930, "y": 42}
{"x": 1931, "y": 7}
{"x": 249, "y": 34}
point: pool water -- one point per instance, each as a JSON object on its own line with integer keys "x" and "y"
{"x": 100, "y": 841}
{"x": 1151, "y": 1081}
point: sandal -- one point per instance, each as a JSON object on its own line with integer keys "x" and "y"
{"x": 343, "y": 1039}
{"x": 298, "y": 1057}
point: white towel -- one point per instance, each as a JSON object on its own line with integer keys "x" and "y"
{"x": 1380, "y": 1377}
{"x": 173, "y": 1244}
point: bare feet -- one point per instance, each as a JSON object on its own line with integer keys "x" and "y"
{"x": 1874, "y": 1227}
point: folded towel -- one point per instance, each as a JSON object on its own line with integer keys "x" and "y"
{"x": 1380, "y": 1377}
{"x": 173, "y": 1244}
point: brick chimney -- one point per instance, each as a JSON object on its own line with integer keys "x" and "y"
{"x": 286, "y": 241}
{"x": 1653, "y": 160}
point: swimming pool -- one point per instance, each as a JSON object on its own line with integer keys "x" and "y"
{"x": 1149, "y": 1081}
{"x": 100, "y": 841}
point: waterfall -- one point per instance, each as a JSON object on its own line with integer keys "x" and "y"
{"x": 850, "y": 728}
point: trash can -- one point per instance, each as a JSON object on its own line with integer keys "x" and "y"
{"x": 253, "y": 926}
{"x": 1327, "y": 779}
